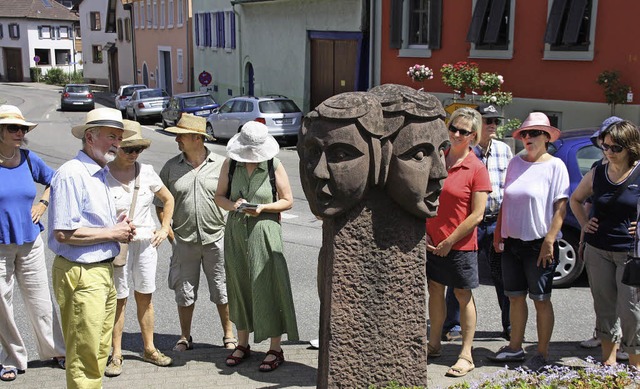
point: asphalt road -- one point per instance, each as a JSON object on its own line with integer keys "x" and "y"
{"x": 52, "y": 140}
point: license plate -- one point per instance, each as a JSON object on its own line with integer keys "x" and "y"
{"x": 286, "y": 121}
{"x": 203, "y": 112}
{"x": 78, "y": 102}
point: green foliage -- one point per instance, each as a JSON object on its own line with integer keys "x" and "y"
{"x": 615, "y": 92}
{"x": 490, "y": 82}
{"x": 35, "y": 73}
{"x": 507, "y": 127}
{"x": 76, "y": 77}
{"x": 56, "y": 76}
{"x": 463, "y": 77}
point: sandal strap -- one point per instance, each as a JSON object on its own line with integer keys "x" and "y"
{"x": 243, "y": 348}
{"x": 466, "y": 358}
{"x": 277, "y": 354}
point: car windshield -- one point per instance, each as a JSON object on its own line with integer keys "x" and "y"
{"x": 278, "y": 106}
{"x": 198, "y": 101}
{"x": 78, "y": 89}
{"x": 129, "y": 90}
{"x": 153, "y": 93}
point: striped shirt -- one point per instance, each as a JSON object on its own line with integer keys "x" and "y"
{"x": 80, "y": 198}
{"x": 496, "y": 158}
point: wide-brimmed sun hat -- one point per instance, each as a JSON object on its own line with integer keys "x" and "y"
{"x": 538, "y": 121}
{"x": 135, "y": 140}
{"x": 190, "y": 124}
{"x": 605, "y": 124}
{"x": 10, "y": 114}
{"x": 253, "y": 144}
{"x": 101, "y": 117}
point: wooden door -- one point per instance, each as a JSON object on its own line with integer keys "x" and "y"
{"x": 13, "y": 59}
{"x": 334, "y": 68}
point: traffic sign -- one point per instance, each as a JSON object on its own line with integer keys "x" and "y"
{"x": 36, "y": 59}
{"x": 205, "y": 78}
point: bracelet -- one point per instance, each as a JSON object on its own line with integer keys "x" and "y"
{"x": 45, "y": 202}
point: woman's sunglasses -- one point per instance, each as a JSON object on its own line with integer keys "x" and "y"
{"x": 131, "y": 150}
{"x": 614, "y": 148}
{"x": 531, "y": 133}
{"x": 495, "y": 121}
{"x": 14, "y": 128}
{"x": 454, "y": 129}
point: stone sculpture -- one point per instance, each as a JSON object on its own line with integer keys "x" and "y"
{"x": 371, "y": 168}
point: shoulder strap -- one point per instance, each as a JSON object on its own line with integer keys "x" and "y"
{"x": 272, "y": 179}
{"x": 136, "y": 187}
{"x": 26, "y": 156}
{"x": 232, "y": 168}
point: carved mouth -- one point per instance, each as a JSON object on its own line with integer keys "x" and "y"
{"x": 432, "y": 200}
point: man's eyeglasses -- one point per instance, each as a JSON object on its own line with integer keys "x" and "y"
{"x": 14, "y": 128}
{"x": 495, "y": 121}
{"x": 462, "y": 132}
{"x": 131, "y": 150}
{"x": 614, "y": 148}
{"x": 531, "y": 133}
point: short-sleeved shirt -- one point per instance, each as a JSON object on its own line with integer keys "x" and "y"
{"x": 196, "y": 217}
{"x": 496, "y": 159}
{"x": 531, "y": 190}
{"x": 455, "y": 202}
{"x": 17, "y": 193}
{"x": 122, "y": 195}
{"x": 80, "y": 198}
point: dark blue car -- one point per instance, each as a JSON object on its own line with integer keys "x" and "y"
{"x": 196, "y": 103}
{"x": 575, "y": 149}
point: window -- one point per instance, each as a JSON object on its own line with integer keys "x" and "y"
{"x": 78, "y": 32}
{"x": 231, "y": 31}
{"x": 136, "y": 15}
{"x": 119, "y": 29}
{"x": 162, "y": 10}
{"x": 180, "y": 67}
{"x": 220, "y": 29}
{"x": 14, "y": 31}
{"x": 64, "y": 32}
{"x": 570, "y": 29}
{"x": 63, "y": 57}
{"x": 94, "y": 21}
{"x": 170, "y": 10}
{"x": 127, "y": 29}
{"x": 44, "y": 32}
{"x": 491, "y": 29}
{"x": 415, "y": 27}
{"x": 1, "y": 31}
{"x": 180, "y": 20}
{"x": 155, "y": 13}
{"x": 149, "y": 15}
{"x": 45, "y": 56}
{"x": 96, "y": 53}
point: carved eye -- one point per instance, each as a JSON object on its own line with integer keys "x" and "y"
{"x": 342, "y": 153}
{"x": 417, "y": 153}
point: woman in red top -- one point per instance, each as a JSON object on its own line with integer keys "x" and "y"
{"x": 452, "y": 236}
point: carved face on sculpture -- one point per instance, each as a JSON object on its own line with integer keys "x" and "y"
{"x": 417, "y": 168}
{"x": 334, "y": 166}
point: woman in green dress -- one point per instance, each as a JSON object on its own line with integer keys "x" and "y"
{"x": 254, "y": 187}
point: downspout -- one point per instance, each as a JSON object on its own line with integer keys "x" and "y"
{"x": 372, "y": 35}
{"x": 133, "y": 42}
{"x": 238, "y": 48}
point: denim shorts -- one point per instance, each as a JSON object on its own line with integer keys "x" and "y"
{"x": 458, "y": 269}
{"x": 520, "y": 272}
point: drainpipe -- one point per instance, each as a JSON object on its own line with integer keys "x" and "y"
{"x": 129, "y": 7}
{"x": 239, "y": 47}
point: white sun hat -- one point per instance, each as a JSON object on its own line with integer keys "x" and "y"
{"x": 253, "y": 144}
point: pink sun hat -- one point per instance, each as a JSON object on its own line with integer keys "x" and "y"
{"x": 538, "y": 121}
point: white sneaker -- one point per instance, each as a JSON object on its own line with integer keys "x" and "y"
{"x": 590, "y": 343}
{"x": 621, "y": 355}
{"x": 315, "y": 343}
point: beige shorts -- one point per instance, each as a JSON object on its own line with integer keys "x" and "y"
{"x": 142, "y": 261}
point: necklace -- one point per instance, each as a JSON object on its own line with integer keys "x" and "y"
{"x": 5, "y": 158}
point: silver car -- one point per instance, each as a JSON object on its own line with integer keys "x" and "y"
{"x": 124, "y": 95}
{"x": 146, "y": 103}
{"x": 279, "y": 113}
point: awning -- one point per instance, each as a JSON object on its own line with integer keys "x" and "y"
{"x": 109, "y": 46}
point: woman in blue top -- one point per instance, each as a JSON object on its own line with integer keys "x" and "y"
{"x": 21, "y": 249}
{"x": 614, "y": 189}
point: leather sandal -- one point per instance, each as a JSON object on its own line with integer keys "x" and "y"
{"x": 273, "y": 364}
{"x": 232, "y": 360}
{"x": 184, "y": 345}
{"x": 456, "y": 371}
{"x": 229, "y": 340}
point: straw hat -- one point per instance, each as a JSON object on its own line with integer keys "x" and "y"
{"x": 538, "y": 121}
{"x": 190, "y": 124}
{"x": 136, "y": 139}
{"x": 101, "y": 117}
{"x": 10, "y": 114}
{"x": 253, "y": 144}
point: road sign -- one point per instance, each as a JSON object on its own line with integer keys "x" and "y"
{"x": 36, "y": 59}
{"x": 205, "y": 78}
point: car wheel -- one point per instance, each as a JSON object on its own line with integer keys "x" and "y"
{"x": 210, "y": 131}
{"x": 570, "y": 264}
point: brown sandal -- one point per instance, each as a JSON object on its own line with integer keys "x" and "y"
{"x": 232, "y": 360}
{"x": 456, "y": 371}
{"x": 273, "y": 364}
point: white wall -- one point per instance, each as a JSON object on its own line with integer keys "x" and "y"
{"x": 94, "y": 71}
{"x": 125, "y": 49}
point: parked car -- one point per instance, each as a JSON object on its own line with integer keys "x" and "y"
{"x": 124, "y": 95}
{"x": 146, "y": 103}
{"x": 279, "y": 113}
{"x": 197, "y": 103}
{"x": 76, "y": 96}
{"x": 575, "y": 149}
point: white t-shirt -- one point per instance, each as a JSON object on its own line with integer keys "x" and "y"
{"x": 531, "y": 189}
{"x": 122, "y": 194}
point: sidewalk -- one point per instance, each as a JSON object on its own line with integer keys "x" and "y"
{"x": 204, "y": 367}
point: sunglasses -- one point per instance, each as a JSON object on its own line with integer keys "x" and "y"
{"x": 14, "y": 128}
{"x": 131, "y": 150}
{"x": 495, "y": 121}
{"x": 531, "y": 133}
{"x": 614, "y": 148}
{"x": 455, "y": 129}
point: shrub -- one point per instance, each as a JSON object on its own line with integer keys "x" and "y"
{"x": 462, "y": 76}
{"x": 35, "y": 74}
{"x": 56, "y": 76}
{"x": 615, "y": 92}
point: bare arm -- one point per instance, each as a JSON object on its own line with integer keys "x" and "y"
{"x": 160, "y": 213}
{"x": 221, "y": 191}
{"x": 285, "y": 196}
{"x": 38, "y": 209}
{"x": 546, "y": 252}
{"x": 122, "y": 232}
{"x": 579, "y": 196}
{"x": 167, "y": 214}
{"x": 478, "y": 202}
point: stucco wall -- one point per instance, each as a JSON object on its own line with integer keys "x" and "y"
{"x": 98, "y": 72}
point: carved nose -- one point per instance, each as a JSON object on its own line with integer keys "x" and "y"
{"x": 321, "y": 171}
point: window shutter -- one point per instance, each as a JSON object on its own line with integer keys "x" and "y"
{"x": 223, "y": 31}
{"x": 232, "y": 27}
{"x": 40, "y": 32}
{"x": 574, "y": 22}
{"x": 207, "y": 29}
{"x": 495, "y": 21}
{"x": 553, "y": 24}
{"x": 435, "y": 24}
{"x": 477, "y": 20}
{"x": 197, "y": 27}
{"x": 395, "y": 27}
